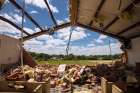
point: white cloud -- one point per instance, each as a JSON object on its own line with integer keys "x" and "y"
{"x": 77, "y": 50}
{"x": 57, "y": 45}
{"x": 9, "y": 30}
{"x": 67, "y": 19}
{"x": 41, "y": 4}
{"x": 91, "y": 45}
{"x": 100, "y": 39}
{"x": 60, "y": 21}
{"x": 34, "y": 12}
{"x": 33, "y": 42}
{"x": 13, "y": 17}
{"x": 29, "y": 30}
{"x": 44, "y": 37}
{"x": 78, "y": 33}
{"x": 32, "y": 30}
{"x": 102, "y": 36}
{"x": 96, "y": 50}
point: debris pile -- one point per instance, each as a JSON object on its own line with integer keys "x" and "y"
{"x": 67, "y": 76}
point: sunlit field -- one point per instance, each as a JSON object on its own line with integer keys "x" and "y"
{"x": 79, "y": 62}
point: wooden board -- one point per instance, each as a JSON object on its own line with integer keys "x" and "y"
{"x": 116, "y": 89}
{"x": 29, "y": 87}
{"x": 106, "y": 86}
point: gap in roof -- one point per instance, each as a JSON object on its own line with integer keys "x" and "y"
{"x": 38, "y": 10}
{"x": 62, "y": 16}
{"x": 10, "y": 12}
{"x": 83, "y": 42}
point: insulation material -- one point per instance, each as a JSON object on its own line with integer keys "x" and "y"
{"x": 126, "y": 19}
{"x": 131, "y": 32}
{"x": 87, "y": 8}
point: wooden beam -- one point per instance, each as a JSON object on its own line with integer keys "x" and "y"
{"x": 50, "y": 12}
{"x": 129, "y": 7}
{"x": 74, "y": 5}
{"x": 14, "y": 25}
{"x": 97, "y": 11}
{"x": 99, "y": 8}
{"x": 46, "y": 31}
{"x": 122, "y": 39}
{"x": 111, "y": 23}
{"x": 129, "y": 28}
{"x": 135, "y": 36}
{"x": 27, "y": 15}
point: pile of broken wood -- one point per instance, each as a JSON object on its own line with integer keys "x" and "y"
{"x": 74, "y": 74}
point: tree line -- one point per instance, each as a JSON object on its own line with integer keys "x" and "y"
{"x": 45, "y": 57}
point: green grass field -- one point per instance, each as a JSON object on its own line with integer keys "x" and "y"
{"x": 79, "y": 62}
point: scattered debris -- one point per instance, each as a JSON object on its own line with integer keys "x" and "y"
{"x": 66, "y": 77}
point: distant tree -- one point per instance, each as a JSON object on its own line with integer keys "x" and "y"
{"x": 45, "y": 57}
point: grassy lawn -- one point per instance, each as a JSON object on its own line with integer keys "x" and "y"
{"x": 79, "y": 62}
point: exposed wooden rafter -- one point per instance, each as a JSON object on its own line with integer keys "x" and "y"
{"x": 129, "y": 7}
{"x": 74, "y": 5}
{"x": 97, "y": 11}
{"x": 122, "y": 39}
{"x": 14, "y": 25}
{"x": 135, "y": 36}
{"x": 27, "y": 15}
{"x": 46, "y": 31}
{"x": 50, "y": 12}
{"x": 129, "y": 28}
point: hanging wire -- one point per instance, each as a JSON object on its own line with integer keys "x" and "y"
{"x": 110, "y": 50}
{"x": 68, "y": 44}
{"x": 22, "y": 26}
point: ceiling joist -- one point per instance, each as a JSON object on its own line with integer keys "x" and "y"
{"x": 135, "y": 36}
{"x": 50, "y": 12}
{"x": 74, "y": 4}
{"x": 129, "y": 7}
{"x": 129, "y": 28}
{"x": 27, "y": 15}
{"x": 97, "y": 11}
{"x": 122, "y": 39}
{"x": 14, "y": 25}
{"x": 46, "y": 31}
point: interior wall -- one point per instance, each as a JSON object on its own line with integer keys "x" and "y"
{"x": 134, "y": 52}
{"x": 9, "y": 50}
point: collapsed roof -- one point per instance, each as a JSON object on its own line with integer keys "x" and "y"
{"x": 119, "y": 19}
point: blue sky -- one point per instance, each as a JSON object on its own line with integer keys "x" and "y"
{"x": 83, "y": 41}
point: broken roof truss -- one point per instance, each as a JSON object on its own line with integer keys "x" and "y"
{"x": 94, "y": 15}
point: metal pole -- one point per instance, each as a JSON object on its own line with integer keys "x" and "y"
{"x": 22, "y": 26}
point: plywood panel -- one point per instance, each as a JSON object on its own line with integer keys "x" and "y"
{"x": 132, "y": 32}
{"x": 124, "y": 23}
{"x": 87, "y": 9}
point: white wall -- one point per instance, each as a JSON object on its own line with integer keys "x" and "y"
{"x": 9, "y": 50}
{"x": 134, "y": 53}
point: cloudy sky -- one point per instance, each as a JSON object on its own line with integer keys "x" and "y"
{"x": 83, "y": 41}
